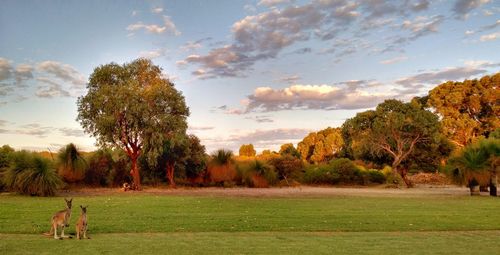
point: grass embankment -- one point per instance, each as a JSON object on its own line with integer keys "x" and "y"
{"x": 240, "y": 225}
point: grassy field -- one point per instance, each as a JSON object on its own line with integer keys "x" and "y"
{"x": 148, "y": 223}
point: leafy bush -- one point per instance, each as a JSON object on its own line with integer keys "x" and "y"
{"x": 256, "y": 174}
{"x": 348, "y": 171}
{"x": 100, "y": 166}
{"x": 287, "y": 167}
{"x": 391, "y": 177}
{"x": 375, "y": 176}
{"x": 5, "y": 158}
{"x": 321, "y": 174}
{"x": 31, "y": 174}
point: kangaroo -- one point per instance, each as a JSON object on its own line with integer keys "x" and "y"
{"x": 81, "y": 224}
{"x": 61, "y": 219}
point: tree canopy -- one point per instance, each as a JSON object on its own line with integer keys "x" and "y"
{"x": 129, "y": 105}
{"x": 247, "y": 150}
{"x": 468, "y": 109}
{"x": 392, "y": 132}
{"x": 321, "y": 145}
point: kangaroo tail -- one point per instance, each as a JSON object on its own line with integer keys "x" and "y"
{"x": 51, "y": 231}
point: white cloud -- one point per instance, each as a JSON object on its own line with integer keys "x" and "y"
{"x": 50, "y": 89}
{"x": 157, "y": 10}
{"x": 5, "y": 69}
{"x": 270, "y": 3}
{"x": 152, "y": 54}
{"x": 64, "y": 72}
{"x": 311, "y": 97}
{"x": 393, "y": 60}
{"x": 168, "y": 26}
{"x": 489, "y": 37}
{"x": 463, "y": 7}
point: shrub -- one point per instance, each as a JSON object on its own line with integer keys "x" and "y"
{"x": 391, "y": 177}
{"x": 347, "y": 170}
{"x": 72, "y": 165}
{"x": 100, "y": 166}
{"x": 256, "y": 173}
{"x": 375, "y": 176}
{"x": 287, "y": 167}
{"x": 321, "y": 174}
{"x": 31, "y": 174}
{"x": 221, "y": 167}
{"x": 5, "y": 158}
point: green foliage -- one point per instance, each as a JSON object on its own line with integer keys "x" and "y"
{"x": 5, "y": 158}
{"x": 392, "y": 134}
{"x": 289, "y": 149}
{"x": 100, "y": 168}
{"x": 222, "y": 157}
{"x": 342, "y": 171}
{"x": 475, "y": 163}
{"x": 248, "y": 170}
{"x": 131, "y": 106}
{"x": 468, "y": 109}
{"x": 72, "y": 165}
{"x": 287, "y": 167}
{"x": 196, "y": 161}
{"x": 30, "y": 174}
{"x": 321, "y": 146}
{"x": 247, "y": 150}
{"x": 321, "y": 174}
{"x": 375, "y": 176}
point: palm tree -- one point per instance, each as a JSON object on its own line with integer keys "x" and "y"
{"x": 476, "y": 165}
{"x": 221, "y": 167}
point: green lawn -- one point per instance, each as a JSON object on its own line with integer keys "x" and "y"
{"x": 142, "y": 223}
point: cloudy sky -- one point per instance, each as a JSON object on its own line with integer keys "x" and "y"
{"x": 264, "y": 72}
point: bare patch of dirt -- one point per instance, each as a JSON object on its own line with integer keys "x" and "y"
{"x": 430, "y": 179}
{"x": 302, "y": 191}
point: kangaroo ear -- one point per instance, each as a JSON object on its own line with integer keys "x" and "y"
{"x": 81, "y": 206}
{"x": 71, "y": 199}
{"x": 65, "y": 199}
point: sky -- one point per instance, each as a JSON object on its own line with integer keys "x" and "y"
{"x": 265, "y": 72}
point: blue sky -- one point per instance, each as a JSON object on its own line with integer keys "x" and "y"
{"x": 265, "y": 72}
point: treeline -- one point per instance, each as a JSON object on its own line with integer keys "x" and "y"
{"x": 139, "y": 120}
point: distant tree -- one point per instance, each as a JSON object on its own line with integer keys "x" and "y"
{"x": 321, "y": 146}
{"x": 247, "y": 150}
{"x": 289, "y": 149}
{"x": 129, "y": 105}
{"x": 394, "y": 130}
{"x": 468, "y": 109}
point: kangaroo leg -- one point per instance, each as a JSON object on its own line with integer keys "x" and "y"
{"x": 85, "y": 233}
{"x": 78, "y": 234}
{"x": 54, "y": 226}
{"x": 62, "y": 232}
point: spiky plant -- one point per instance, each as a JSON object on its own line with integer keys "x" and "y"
{"x": 222, "y": 157}
{"x": 71, "y": 163}
{"x": 476, "y": 164}
{"x": 30, "y": 174}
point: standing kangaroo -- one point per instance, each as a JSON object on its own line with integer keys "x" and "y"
{"x": 61, "y": 219}
{"x": 81, "y": 224}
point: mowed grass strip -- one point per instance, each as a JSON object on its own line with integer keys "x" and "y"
{"x": 440, "y": 242}
{"x": 159, "y": 214}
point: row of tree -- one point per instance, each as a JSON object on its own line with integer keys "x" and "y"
{"x": 418, "y": 135}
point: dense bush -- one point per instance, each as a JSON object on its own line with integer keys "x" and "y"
{"x": 72, "y": 165}
{"x": 321, "y": 174}
{"x": 287, "y": 167}
{"x": 31, "y": 174}
{"x": 255, "y": 173}
{"x": 5, "y": 158}
{"x": 100, "y": 166}
{"x": 342, "y": 171}
{"x": 221, "y": 167}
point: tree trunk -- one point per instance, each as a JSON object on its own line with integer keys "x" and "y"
{"x": 493, "y": 184}
{"x": 170, "y": 167}
{"x": 404, "y": 175}
{"x": 135, "y": 174}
